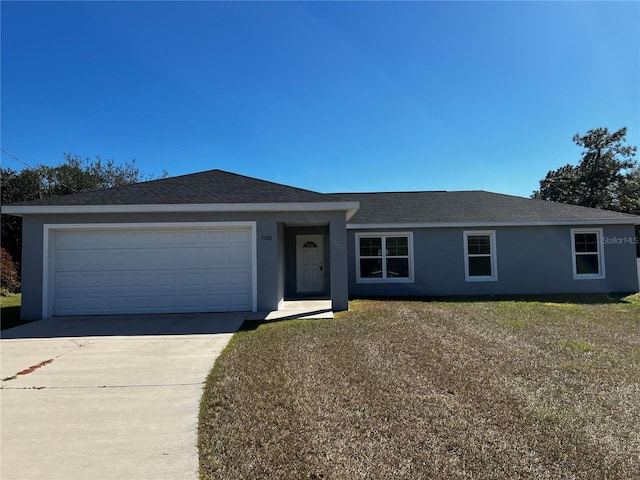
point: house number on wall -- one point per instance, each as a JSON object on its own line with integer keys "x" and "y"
{"x": 266, "y": 237}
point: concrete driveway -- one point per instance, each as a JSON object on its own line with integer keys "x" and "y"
{"x": 106, "y": 397}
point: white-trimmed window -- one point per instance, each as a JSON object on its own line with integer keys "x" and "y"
{"x": 384, "y": 257}
{"x": 480, "y": 263}
{"x": 586, "y": 250}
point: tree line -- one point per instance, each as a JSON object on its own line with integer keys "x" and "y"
{"x": 74, "y": 174}
{"x": 607, "y": 175}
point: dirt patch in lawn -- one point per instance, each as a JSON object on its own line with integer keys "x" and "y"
{"x": 430, "y": 390}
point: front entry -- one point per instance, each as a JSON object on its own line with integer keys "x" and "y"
{"x": 310, "y": 263}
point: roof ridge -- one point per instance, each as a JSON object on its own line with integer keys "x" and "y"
{"x": 247, "y": 177}
{"x": 391, "y": 191}
{"x": 208, "y": 187}
{"x": 270, "y": 182}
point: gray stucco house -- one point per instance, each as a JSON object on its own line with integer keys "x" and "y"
{"x": 218, "y": 241}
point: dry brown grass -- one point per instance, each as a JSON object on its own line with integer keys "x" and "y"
{"x": 430, "y": 390}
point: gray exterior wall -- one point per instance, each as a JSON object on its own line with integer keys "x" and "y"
{"x": 281, "y": 262}
{"x": 339, "y": 268}
{"x": 31, "y": 274}
{"x": 530, "y": 260}
{"x": 270, "y": 246}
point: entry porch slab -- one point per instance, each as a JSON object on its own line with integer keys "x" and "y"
{"x": 297, "y": 309}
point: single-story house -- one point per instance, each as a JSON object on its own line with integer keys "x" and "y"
{"x": 218, "y": 241}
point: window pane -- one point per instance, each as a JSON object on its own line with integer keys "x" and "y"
{"x": 586, "y": 242}
{"x": 479, "y": 244}
{"x": 398, "y": 268}
{"x": 370, "y": 268}
{"x": 480, "y": 266}
{"x": 397, "y": 246}
{"x": 371, "y": 247}
{"x": 587, "y": 265}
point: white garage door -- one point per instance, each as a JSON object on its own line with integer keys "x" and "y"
{"x": 152, "y": 270}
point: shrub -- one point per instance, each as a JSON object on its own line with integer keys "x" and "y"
{"x": 9, "y": 279}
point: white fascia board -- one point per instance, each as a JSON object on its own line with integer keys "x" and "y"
{"x": 376, "y": 226}
{"x": 19, "y": 210}
{"x": 145, "y": 225}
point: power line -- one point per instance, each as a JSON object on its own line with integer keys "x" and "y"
{"x": 33, "y": 168}
{"x": 16, "y": 158}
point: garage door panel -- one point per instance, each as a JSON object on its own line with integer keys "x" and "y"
{"x": 216, "y": 279}
{"x": 239, "y": 237}
{"x": 92, "y": 259}
{"x": 139, "y": 302}
{"x": 238, "y": 257}
{"x": 211, "y": 258}
{"x": 192, "y": 238}
{"x": 152, "y": 270}
{"x": 213, "y": 237}
{"x": 125, "y": 258}
{"x": 211, "y": 279}
{"x": 240, "y": 277}
{"x": 96, "y": 239}
{"x": 238, "y": 298}
{"x": 174, "y": 279}
{"x": 221, "y": 301}
{"x": 73, "y": 280}
{"x": 144, "y": 292}
{"x": 168, "y": 304}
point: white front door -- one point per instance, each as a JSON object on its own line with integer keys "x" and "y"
{"x": 310, "y": 263}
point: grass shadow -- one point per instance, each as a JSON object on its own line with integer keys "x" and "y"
{"x": 577, "y": 298}
{"x": 10, "y": 317}
{"x": 251, "y": 325}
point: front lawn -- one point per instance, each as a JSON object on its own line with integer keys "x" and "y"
{"x": 430, "y": 390}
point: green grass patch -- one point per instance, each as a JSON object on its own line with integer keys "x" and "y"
{"x": 430, "y": 390}
{"x": 635, "y": 298}
{"x": 579, "y": 346}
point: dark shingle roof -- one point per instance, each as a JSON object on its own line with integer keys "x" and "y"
{"x": 434, "y": 207}
{"x": 210, "y": 187}
{"x": 468, "y": 207}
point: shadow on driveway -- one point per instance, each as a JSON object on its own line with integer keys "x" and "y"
{"x": 129, "y": 325}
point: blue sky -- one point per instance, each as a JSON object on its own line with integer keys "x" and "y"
{"x": 326, "y": 96}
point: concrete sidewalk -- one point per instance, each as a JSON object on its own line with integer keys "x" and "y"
{"x": 106, "y": 397}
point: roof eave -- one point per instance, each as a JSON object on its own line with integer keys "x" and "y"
{"x": 536, "y": 223}
{"x": 20, "y": 210}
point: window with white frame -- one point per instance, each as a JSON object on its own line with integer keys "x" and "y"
{"x": 586, "y": 249}
{"x": 384, "y": 257}
{"x": 480, "y": 256}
